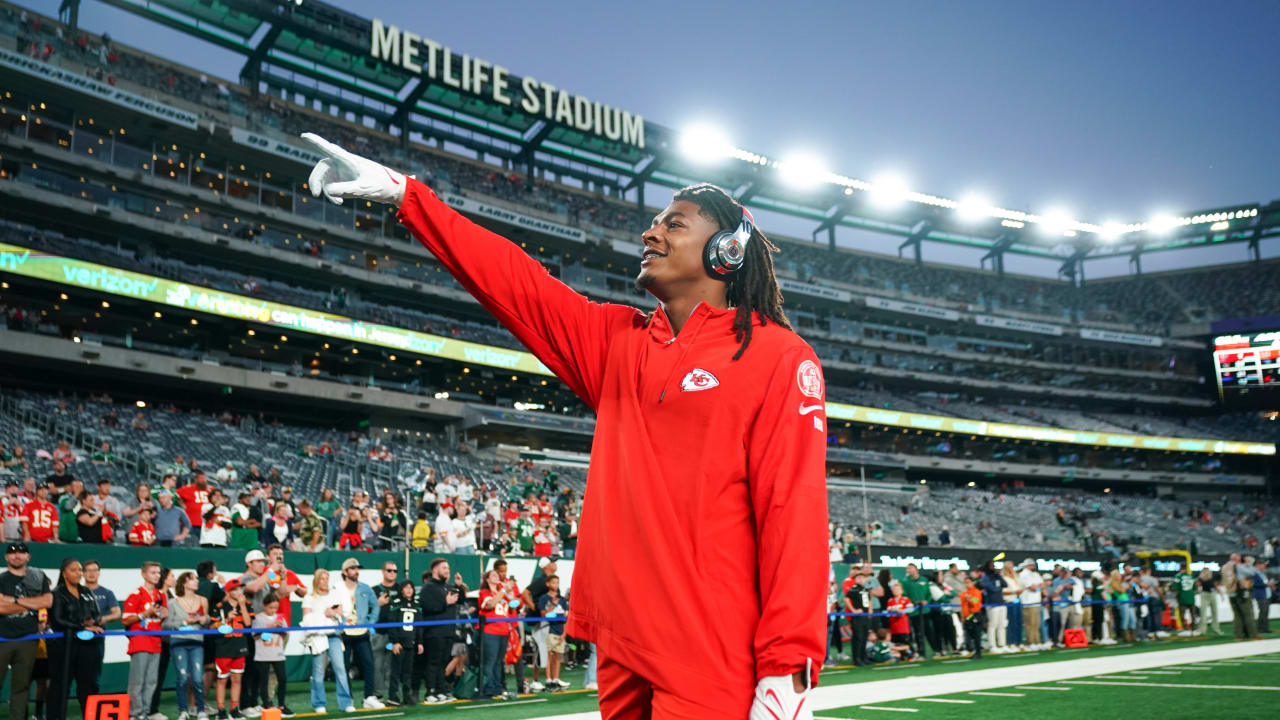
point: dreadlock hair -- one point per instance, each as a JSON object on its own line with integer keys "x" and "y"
{"x": 754, "y": 287}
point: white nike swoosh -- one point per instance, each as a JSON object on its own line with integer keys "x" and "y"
{"x": 806, "y": 409}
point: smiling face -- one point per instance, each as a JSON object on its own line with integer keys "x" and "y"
{"x": 671, "y": 261}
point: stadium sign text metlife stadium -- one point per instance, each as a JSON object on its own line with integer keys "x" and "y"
{"x": 484, "y": 79}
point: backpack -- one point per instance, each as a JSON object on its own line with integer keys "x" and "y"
{"x": 467, "y": 685}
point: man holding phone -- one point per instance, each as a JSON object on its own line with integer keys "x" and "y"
{"x": 439, "y": 602}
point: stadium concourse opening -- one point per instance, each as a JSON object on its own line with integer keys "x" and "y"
{"x": 1039, "y": 487}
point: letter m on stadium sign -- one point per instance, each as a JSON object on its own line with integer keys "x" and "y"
{"x": 107, "y": 707}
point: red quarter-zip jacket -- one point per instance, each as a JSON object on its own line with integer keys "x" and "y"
{"x": 702, "y": 546}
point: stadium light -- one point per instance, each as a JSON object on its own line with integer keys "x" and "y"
{"x": 705, "y": 144}
{"x": 1162, "y": 224}
{"x": 889, "y": 191}
{"x": 802, "y": 170}
{"x": 1055, "y": 222}
{"x": 973, "y": 207}
{"x": 1110, "y": 231}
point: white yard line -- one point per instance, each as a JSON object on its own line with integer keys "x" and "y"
{"x": 1163, "y": 672}
{"x": 1123, "y": 677}
{"x": 1272, "y": 688}
{"x": 1017, "y": 677}
{"x": 887, "y": 709}
{"x": 996, "y": 694}
{"x": 1041, "y": 687}
{"x": 946, "y": 700}
{"x": 505, "y": 703}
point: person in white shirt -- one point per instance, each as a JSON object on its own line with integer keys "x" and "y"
{"x": 464, "y": 531}
{"x": 465, "y": 491}
{"x": 444, "y": 536}
{"x": 446, "y": 491}
{"x": 323, "y": 607}
{"x": 493, "y": 506}
{"x": 1030, "y": 598}
{"x": 217, "y": 521}
{"x": 227, "y": 475}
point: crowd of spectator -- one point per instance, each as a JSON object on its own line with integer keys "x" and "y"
{"x": 244, "y": 507}
{"x": 1007, "y": 607}
{"x": 227, "y": 632}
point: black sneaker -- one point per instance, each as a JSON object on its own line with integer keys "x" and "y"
{"x": 222, "y": 714}
{"x": 235, "y": 714}
{"x": 286, "y": 712}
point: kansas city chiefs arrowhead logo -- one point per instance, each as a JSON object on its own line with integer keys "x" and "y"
{"x": 698, "y": 379}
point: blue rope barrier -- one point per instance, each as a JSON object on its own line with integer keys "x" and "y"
{"x": 476, "y": 621}
{"x": 296, "y": 628}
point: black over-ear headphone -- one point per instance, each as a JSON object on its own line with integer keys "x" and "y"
{"x": 727, "y": 249}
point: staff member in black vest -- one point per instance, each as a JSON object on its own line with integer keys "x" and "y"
{"x": 71, "y": 658}
{"x": 24, "y": 592}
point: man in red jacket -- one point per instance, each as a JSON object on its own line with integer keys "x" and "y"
{"x": 708, "y": 462}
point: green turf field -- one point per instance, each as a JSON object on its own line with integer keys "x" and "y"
{"x": 1189, "y": 690}
{"x": 1132, "y": 695}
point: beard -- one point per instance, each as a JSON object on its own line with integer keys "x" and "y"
{"x": 644, "y": 281}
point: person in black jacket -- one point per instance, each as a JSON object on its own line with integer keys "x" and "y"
{"x": 439, "y": 602}
{"x": 70, "y": 658}
{"x": 858, "y": 601}
{"x": 405, "y": 642}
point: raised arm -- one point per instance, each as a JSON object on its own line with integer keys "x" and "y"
{"x": 567, "y": 332}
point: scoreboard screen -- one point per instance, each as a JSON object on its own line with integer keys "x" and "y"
{"x": 1248, "y": 368}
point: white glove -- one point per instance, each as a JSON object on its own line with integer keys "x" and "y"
{"x": 777, "y": 699}
{"x": 342, "y": 174}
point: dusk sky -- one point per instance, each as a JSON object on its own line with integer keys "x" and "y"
{"x": 1111, "y": 111}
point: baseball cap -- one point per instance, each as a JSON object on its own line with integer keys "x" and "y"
{"x": 1028, "y": 561}
{"x": 543, "y": 562}
{"x": 19, "y": 547}
{"x": 350, "y": 563}
{"x": 232, "y": 584}
{"x": 253, "y": 555}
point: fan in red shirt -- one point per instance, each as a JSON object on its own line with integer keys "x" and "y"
{"x": 709, "y": 455}
{"x": 543, "y": 538}
{"x": 194, "y": 495}
{"x": 144, "y": 610}
{"x": 899, "y": 623}
{"x": 143, "y": 532}
{"x": 511, "y": 516}
{"x": 39, "y": 518}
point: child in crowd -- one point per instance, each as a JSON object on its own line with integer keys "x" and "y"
{"x": 405, "y": 642}
{"x": 971, "y": 614}
{"x": 231, "y": 648}
{"x": 554, "y": 608}
{"x": 887, "y": 649}
{"x": 421, "y": 538}
{"x": 143, "y": 532}
{"x": 268, "y": 654}
{"x": 901, "y": 607}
